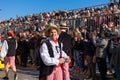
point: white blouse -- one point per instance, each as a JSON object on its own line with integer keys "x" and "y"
{"x": 44, "y": 53}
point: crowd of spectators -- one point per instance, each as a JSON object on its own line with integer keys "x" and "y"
{"x": 83, "y": 24}
{"x": 74, "y": 18}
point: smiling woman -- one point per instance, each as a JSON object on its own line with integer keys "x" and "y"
{"x": 52, "y": 57}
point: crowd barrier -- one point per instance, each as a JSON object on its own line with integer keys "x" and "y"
{"x": 93, "y": 21}
{"x": 89, "y": 22}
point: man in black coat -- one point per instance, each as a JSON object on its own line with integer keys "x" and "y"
{"x": 66, "y": 39}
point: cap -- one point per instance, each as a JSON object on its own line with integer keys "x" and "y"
{"x": 11, "y": 33}
{"x": 63, "y": 25}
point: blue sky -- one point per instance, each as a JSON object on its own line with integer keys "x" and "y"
{"x": 11, "y": 8}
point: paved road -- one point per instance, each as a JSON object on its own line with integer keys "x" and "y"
{"x": 27, "y": 73}
{"x": 23, "y": 74}
{"x": 81, "y": 76}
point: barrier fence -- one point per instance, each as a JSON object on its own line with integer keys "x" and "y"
{"x": 93, "y": 21}
{"x": 90, "y": 22}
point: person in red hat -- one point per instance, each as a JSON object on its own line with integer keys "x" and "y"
{"x": 11, "y": 33}
{"x": 9, "y": 48}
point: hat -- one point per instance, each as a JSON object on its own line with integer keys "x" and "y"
{"x": 63, "y": 25}
{"x": 11, "y": 33}
{"x": 49, "y": 28}
{"x": 52, "y": 24}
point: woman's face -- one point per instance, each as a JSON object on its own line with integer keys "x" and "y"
{"x": 54, "y": 34}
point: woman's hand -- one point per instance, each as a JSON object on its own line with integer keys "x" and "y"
{"x": 68, "y": 59}
{"x": 61, "y": 60}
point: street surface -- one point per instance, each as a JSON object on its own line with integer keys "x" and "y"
{"x": 28, "y": 73}
{"x": 24, "y": 73}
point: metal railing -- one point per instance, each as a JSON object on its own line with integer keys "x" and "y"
{"x": 94, "y": 21}
{"x": 90, "y": 22}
